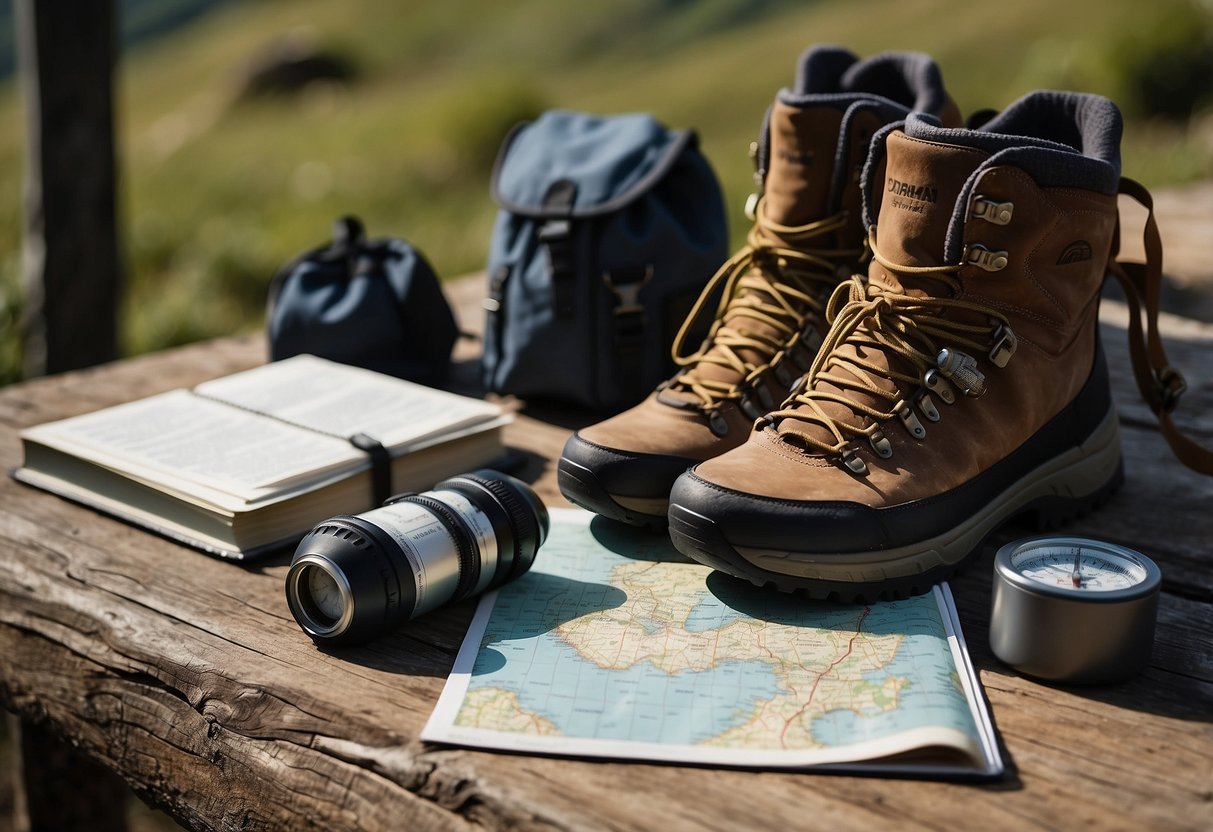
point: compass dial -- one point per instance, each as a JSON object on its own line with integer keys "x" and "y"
{"x": 1083, "y": 568}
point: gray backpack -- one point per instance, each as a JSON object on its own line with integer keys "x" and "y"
{"x": 608, "y": 230}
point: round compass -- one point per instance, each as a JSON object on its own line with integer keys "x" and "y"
{"x": 1072, "y": 609}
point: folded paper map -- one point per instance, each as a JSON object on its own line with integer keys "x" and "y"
{"x": 616, "y": 646}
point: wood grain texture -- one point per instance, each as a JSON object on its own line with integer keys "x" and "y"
{"x": 187, "y": 675}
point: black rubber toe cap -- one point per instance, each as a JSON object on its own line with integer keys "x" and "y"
{"x": 626, "y": 473}
{"x": 767, "y": 523}
{"x": 629, "y": 487}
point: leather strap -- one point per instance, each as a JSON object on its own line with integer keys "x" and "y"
{"x": 1161, "y": 385}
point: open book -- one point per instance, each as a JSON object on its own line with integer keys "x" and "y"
{"x": 614, "y": 645}
{"x": 248, "y": 463}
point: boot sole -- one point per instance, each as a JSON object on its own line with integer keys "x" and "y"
{"x": 1065, "y": 487}
{"x": 581, "y": 487}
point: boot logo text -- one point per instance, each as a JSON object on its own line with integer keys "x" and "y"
{"x": 1075, "y": 252}
{"x": 923, "y": 193}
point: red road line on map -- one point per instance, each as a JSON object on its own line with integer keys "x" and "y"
{"x": 813, "y": 690}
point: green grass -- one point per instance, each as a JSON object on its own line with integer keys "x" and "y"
{"x": 217, "y": 194}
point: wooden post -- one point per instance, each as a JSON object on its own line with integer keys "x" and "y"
{"x": 60, "y": 789}
{"x": 67, "y": 51}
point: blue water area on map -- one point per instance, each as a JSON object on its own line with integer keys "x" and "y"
{"x": 640, "y": 703}
{"x": 710, "y": 614}
{"x": 932, "y": 699}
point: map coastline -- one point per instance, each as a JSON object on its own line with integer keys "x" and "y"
{"x": 614, "y": 646}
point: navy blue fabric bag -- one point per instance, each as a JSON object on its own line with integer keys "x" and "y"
{"x": 608, "y": 230}
{"x": 371, "y": 303}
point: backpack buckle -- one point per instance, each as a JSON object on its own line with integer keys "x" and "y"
{"x": 553, "y": 230}
{"x": 628, "y": 292}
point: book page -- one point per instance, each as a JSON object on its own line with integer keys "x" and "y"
{"x": 178, "y": 437}
{"x": 614, "y": 645}
{"x": 344, "y": 400}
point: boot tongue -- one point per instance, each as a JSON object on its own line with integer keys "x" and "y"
{"x": 804, "y": 141}
{"x": 921, "y": 186}
{"x": 801, "y": 164}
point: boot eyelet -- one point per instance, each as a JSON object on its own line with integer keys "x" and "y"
{"x": 764, "y": 396}
{"x": 853, "y": 462}
{"x": 978, "y": 255}
{"x": 926, "y": 405}
{"x": 782, "y": 375}
{"x": 1004, "y": 347}
{"x": 906, "y": 414}
{"x": 717, "y": 422}
{"x": 998, "y": 213}
{"x": 881, "y": 444}
{"x": 749, "y": 408}
{"x": 934, "y": 381}
{"x": 801, "y": 357}
{"x": 751, "y": 206}
{"x": 1171, "y": 385}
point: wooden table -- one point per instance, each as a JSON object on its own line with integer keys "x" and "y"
{"x": 187, "y": 676}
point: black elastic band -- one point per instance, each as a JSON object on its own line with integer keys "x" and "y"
{"x": 381, "y": 466}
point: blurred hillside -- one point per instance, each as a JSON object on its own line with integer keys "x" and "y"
{"x": 140, "y": 20}
{"x": 224, "y": 180}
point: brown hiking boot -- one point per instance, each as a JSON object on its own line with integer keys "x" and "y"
{"x": 963, "y": 384}
{"x": 807, "y": 236}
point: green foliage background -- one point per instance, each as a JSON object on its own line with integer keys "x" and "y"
{"x": 217, "y": 193}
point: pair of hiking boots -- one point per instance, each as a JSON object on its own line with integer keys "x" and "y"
{"x": 857, "y": 438}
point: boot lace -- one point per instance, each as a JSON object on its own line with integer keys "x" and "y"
{"x": 923, "y": 347}
{"x": 766, "y": 281}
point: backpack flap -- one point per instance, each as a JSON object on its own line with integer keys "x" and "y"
{"x": 587, "y": 215}
{"x": 609, "y": 161}
{"x": 567, "y": 165}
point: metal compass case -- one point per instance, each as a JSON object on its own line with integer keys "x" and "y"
{"x": 1072, "y": 609}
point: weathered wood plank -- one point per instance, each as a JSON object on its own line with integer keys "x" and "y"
{"x": 187, "y": 675}
{"x": 196, "y": 738}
